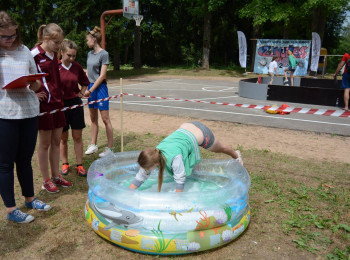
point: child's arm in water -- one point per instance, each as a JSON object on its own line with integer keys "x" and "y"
{"x": 140, "y": 178}
{"x": 179, "y": 172}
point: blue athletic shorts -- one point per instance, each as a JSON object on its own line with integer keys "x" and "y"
{"x": 207, "y": 133}
{"x": 345, "y": 83}
{"x": 290, "y": 69}
{"x": 99, "y": 93}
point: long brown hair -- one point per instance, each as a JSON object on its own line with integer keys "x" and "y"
{"x": 6, "y": 21}
{"x": 51, "y": 30}
{"x": 148, "y": 158}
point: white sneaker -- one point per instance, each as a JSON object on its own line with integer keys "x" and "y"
{"x": 106, "y": 151}
{"x": 285, "y": 81}
{"x": 92, "y": 148}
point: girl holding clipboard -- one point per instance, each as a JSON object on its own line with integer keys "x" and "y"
{"x": 19, "y": 109}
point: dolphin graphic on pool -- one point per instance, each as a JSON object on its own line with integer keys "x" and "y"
{"x": 116, "y": 216}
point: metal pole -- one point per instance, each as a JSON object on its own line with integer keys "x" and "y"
{"x": 324, "y": 65}
{"x": 103, "y": 25}
{"x": 121, "y": 117}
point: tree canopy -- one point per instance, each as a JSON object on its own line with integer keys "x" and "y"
{"x": 184, "y": 31}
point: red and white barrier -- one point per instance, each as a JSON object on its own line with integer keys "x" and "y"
{"x": 75, "y": 106}
{"x": 313, "y": 111}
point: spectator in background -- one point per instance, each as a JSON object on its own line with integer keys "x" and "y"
{"x": 272, "y": 68}
{"x": 97, "y": 64}
{"x": 72, "y": 75}
{"x": 345, "y": 84}
{"x": 292, "y": 61}
{"x": 51, "y": 97}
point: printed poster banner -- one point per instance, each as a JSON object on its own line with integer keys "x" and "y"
{"x": 242, "y": 44}
{"x": 267, "y": 48}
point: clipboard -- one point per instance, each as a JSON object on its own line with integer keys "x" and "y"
{"x": 23, "y": 81}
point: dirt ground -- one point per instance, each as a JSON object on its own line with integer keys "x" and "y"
{"x": 307, "y": 145}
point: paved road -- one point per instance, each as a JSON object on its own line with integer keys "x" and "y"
{"x": 219, "y": 91}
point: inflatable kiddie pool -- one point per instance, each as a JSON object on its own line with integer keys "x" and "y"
{"x": 212, "y": 211}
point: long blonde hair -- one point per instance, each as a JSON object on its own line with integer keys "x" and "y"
{"x": 6, "y": 21}
{"x": 51, "y": 30}
{"x": 96, "y": 33}
{"x": 148, "y": 158}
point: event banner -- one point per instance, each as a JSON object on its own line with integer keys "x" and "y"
{"x": 315, "y": 52}
{"x": 242, "y": 44}
{"x": 267, "y": 48}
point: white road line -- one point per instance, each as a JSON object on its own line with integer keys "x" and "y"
{"x": 214, "y": 98}
{"x": 192, "y": 84}
{"x": 236, "y": 113}
{"x": 152, "y": 89}
{"x": 220, "y": 90}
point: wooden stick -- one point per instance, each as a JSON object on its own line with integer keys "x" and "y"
{"x": 121, "y": 117}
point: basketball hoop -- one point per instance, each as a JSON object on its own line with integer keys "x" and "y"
{"x": 138, "y": 19}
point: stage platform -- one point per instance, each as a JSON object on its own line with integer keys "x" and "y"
{"x": 305, "y": 90}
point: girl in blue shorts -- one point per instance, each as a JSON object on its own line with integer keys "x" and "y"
{"x": 179, "y": 153}
{"x": 346, "y": 79}
{"x": 97, "y": 64}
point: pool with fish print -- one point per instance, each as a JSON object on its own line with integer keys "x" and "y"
{"x": 213, "y": 209}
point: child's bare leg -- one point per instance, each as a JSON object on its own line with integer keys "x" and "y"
{"x": 285, "y": 74}
{"x": 219, "y": 147}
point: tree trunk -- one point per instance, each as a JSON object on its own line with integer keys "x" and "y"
{"x": 116, "y": 59}
{"x": 116, "y": 51}
{"x": 137, "y": 43}
{"x": 126, "y": 53}
{"x": 206, "y": 39}
{"x": 318, "y": 22}
{"x": 255, "y": 36}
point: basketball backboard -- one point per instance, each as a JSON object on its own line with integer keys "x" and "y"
{"x": 130, "y": 8}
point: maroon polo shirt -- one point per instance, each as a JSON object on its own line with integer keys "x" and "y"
{"x": 71, "y": 78}
{"x": 50, "y": 84}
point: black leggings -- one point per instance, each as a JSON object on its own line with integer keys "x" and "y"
{"x": 17, "y": 144}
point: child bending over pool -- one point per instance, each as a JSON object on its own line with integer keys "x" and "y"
{"x": 179, "y": 153}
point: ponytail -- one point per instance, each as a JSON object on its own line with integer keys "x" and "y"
{"x": 51, "y": 30}
{"x": 40, "y": 34}
{"x": 161, "y": 163}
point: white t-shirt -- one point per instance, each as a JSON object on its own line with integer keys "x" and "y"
{"x": 272, "y": 66}
{"x": 17, "y": 103}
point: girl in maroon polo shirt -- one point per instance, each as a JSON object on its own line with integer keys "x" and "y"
{"x": 72, "y": 75}
{"x": 50, "y": 95}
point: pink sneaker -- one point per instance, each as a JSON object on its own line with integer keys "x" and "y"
{"x": 59, "y": 181}
{"x": 49, "y": 186}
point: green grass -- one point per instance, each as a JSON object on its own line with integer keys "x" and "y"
{"x": 300, "y": 210}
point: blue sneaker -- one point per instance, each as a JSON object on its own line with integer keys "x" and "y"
{"x": 38, "y": 204}
{"x": 20, "y": 217}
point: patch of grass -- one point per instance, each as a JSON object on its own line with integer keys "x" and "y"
{"x": 308, "y": 211}
{"x": 299, "y": 210}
